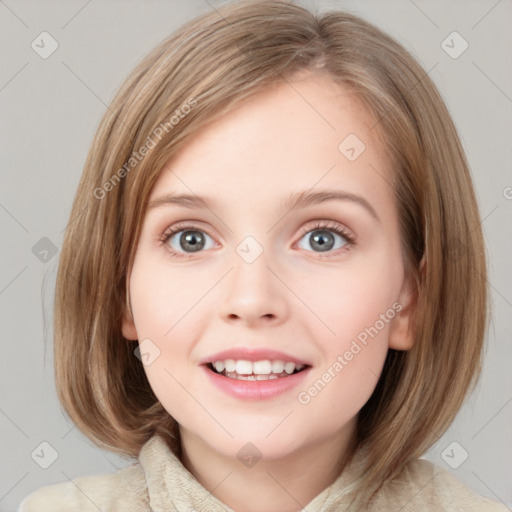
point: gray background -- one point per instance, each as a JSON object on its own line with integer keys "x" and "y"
{"x": 50, "y": 109}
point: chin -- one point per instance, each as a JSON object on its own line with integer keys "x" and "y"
{"x": 259, "y": 441}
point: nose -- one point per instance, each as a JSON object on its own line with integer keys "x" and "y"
{"x": 254, "y": 294}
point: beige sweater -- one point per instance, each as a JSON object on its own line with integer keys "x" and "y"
{"x": 159, "y": 482}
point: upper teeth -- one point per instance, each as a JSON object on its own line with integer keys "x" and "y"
{"x": 264, "y": 367}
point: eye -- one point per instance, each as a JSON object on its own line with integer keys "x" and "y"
{"x": 187, "y": 238}
{"x": 326, "y": 237}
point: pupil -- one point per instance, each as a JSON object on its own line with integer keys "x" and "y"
{"x": 323, "y": 240}
{"x": 190, "y": 238}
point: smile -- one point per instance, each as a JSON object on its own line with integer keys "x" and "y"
{"x": 254, "y": 373}
{"x": 266, "y": 369}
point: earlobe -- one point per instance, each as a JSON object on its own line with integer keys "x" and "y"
{"x": 128, "y": 325}
{"x": 129, "y": 331}
{"x": 401, "y": 335}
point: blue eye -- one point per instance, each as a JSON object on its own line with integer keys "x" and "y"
{"x": 191, "y": 239}
{"x": 186, "y": 239}
{"x": 323, "y": 238}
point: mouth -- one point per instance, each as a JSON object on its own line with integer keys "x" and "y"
{"x": 263, "y": 370}
{"x": 255, "y": 373}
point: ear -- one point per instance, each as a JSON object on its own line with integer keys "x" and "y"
{"x": 401, "y": 335}
{"x": 128, "y": 325}
{"x": 129, "y": 331}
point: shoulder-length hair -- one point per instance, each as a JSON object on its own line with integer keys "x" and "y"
{"x": 204, "y": 69}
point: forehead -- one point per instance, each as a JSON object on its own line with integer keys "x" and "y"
{"x": 298, "y": 135}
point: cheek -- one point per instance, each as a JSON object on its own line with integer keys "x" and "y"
{"x": 346, "y": 300}
{"x": 356, "y": 308}
{"x": 351, "y": 365}
{"x": 339, "y": 390}
{"x": 162, "y": 303}
{"x": 161, "y": 296}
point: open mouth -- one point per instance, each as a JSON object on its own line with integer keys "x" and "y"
{"x": 255, "y": 370}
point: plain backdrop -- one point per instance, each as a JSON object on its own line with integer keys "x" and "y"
{"x": 50, "y": 109}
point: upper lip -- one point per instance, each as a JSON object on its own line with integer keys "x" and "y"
{"x": 252, "y": 354}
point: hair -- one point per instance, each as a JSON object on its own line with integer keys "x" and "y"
{"x": 211, "y": 64}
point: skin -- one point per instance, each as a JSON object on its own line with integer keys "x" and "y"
{"x": 293, "y": 297}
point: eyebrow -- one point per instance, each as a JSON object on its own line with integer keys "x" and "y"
{"x": 307, "y": 198}
{"x": 295, "y": 200}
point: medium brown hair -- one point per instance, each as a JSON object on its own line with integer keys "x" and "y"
{"x": 210, "y": 64}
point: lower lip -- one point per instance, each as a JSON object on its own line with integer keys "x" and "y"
{"x": 255, "y": 389}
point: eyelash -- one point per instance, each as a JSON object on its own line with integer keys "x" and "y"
{"x": 320, "y": 225}
{"x": 335, "y": 228}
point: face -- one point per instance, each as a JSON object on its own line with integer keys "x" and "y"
{"x": 238, "y": 279}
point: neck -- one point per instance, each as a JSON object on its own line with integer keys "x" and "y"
{"x": 285, "y": 484}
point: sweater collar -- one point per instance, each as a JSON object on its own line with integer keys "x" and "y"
{"x": 172, "y": 487}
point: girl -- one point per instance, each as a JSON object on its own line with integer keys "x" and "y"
{"x": 272, "y": 290}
